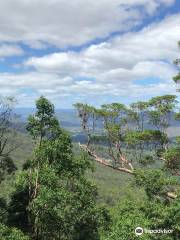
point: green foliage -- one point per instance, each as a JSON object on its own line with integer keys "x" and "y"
{"x": 155, "y": 182}
{"x": 160, "y": 110}
{"x": 7, "y": 146}
{"x": 112, "y": 186}
{"x": 126, "y": 217}
{"x": 7, "y": 166}
{"x": 172, "y": 159}
{"x": 177, "y": 116}
{"x": 177, "y": 61}
{"x": 163, "y": 104}
{"x": 54, "y": 198}
{"x": 63, "y": 207}
{"x": 56, "y": 152}
{"x": 147, "y": 160}
{"x": 85, "y": 112}
{"x": 149, "y": 215}
{"x": 55, "y": 201}
{"x": 66, "y": 207}
{"x": 114, "y": 107}
{"x": 43, "y": 123}
{"x": 151, "y": 136}
{"x": 17, "y": 210}
{"x": 3, "y": 210}
{"x": 114, "y": 132}
{"x": 7, "y": 233}
{"x": 178, "y": 140}
{"x": 137, "y": 114}
{"x": 172, "y": 218}
{"x": 99, "y": 138}
{"x": 176, "y": 78}
{"x": 141, "y": 127}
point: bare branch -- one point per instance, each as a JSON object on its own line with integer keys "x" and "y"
{"x": 105, "y": 162}
{"x": 171, "y": 195}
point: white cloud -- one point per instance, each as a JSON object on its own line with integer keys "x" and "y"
{"x": 128, "y": 57}
{"x": 27, "y": 87}
{"x": 64, "y": 63}
{"x": 63, "y": 23}
{"x": 7, "y": 50}
{"x": 98, "y": 73}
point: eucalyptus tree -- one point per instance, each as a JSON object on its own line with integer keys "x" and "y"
{"x": 161, "y": 109}
{"x": 53, "y": 198}
{"x": 177, "y": 77}
{"x": 43, "y": 124}
{"x": 138, "y": 114}
{"x": 142, "y": 126}
{"x": 8, "y": 144}
{"x": 7, "y": 133}
{"x": 172, "y": 155}
{"x": 113, "y": 119}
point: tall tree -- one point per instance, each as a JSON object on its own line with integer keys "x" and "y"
{"x": 144, "y": 125}
{"x": 129, "y": 131}
{"x": 43, "y": 124}
{"x": 7, "y": 133}
{"x": 177, "y": 77}
{"x": 138, "y": 114}
{"x": 57, "y": 201}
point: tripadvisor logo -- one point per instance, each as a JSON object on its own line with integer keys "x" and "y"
{"x": 139, "y": 231}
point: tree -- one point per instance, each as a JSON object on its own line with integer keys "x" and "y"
{"x": 141, "y": 128}
{"x": 153, "y": 212}
{"x": 177, "y": 77}
{"x": 172, "y": 159}
{"x": 126, "y": 217}
{"x": 7, "y": 146}
{"x": 55, "y": 200}
{"x": 172, "y": 156}
{"x": 161, "y": 108}
{"x": 130, "y": 133}
{"x": 138, "y": 113}
{"x": 43, "y": 124}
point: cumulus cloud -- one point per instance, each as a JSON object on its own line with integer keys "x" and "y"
{"x": 108, "y": 71}
{"x": 125, "y": 58}
{"x": 64, "y": 23}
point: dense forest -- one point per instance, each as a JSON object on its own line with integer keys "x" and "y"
{"x": 62, "y": 190}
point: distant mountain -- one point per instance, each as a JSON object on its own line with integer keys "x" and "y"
{"x": 24, "y": 112}
{"x": 69, "y": 120}
{"x": 67, "y": 117}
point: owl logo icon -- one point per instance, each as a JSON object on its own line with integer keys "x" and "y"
{"x": 139, "y": 231}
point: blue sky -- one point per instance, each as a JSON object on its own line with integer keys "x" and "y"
{"x": 88, "y": 51}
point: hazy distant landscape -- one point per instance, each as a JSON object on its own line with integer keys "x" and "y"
{"x": 69, "y": 120}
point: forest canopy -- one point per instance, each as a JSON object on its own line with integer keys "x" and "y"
{"x": 53, "y": 197}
